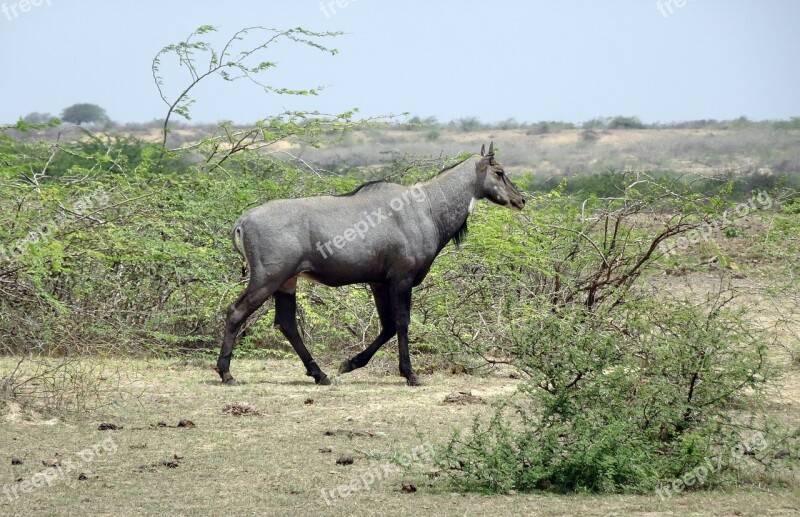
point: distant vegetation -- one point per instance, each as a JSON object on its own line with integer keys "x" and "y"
{"x": 545, "y": 154}
{"x": 94, "y": 114}
{"x": 83, "y": 113}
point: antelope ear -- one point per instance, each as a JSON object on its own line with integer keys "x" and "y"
{"x": 491, "y": 148}
{"x": 483, "y": 149}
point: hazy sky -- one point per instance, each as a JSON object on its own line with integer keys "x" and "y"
{"x": 568, "y": 60}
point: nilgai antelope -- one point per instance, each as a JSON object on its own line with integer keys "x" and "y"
{"x": 382, "y": 234}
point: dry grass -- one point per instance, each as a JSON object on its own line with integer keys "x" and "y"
{"x": 695, "y": 151}
{"x": 277, "y": 463}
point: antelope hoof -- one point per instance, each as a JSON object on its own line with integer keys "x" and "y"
{"x": 228, "y": 380}
{"x": 324, "y": 380}
{"x": 413, "y": 380}
{"x": 226, "y": 377}
{"x": 346, "y": 367}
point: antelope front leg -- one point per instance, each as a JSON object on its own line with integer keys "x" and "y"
{"x": 380, "y": 293}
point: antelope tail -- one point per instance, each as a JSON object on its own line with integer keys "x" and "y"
{"x": 237, "y": 241}
{"x": 236, "y": 237}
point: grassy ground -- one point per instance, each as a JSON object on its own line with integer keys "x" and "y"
{"x": 274, "y": 463}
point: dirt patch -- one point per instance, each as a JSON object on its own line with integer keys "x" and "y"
{"x": 17, "y": 414}
{"x": 171, "y": 463}
{"x": 240, "y": 410}
{"x": 181, "y": 423}
{"x": 351, "y": 433}
{"x": 463, "y": 398}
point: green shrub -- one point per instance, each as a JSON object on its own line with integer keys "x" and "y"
{"x": 626, "y": 385}
{"x": 433, "y": 134}
{"x": 731, "y": 231}
{"x": 612, "y": 406}
{"x": 792, "y": 206}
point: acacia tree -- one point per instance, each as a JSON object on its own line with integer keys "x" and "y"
{"x": 84, "y": 112}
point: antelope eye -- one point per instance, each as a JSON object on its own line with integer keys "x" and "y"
{"x": 499, "y": 172}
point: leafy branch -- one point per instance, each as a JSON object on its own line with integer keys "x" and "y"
{"x": 228, "y": 63}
